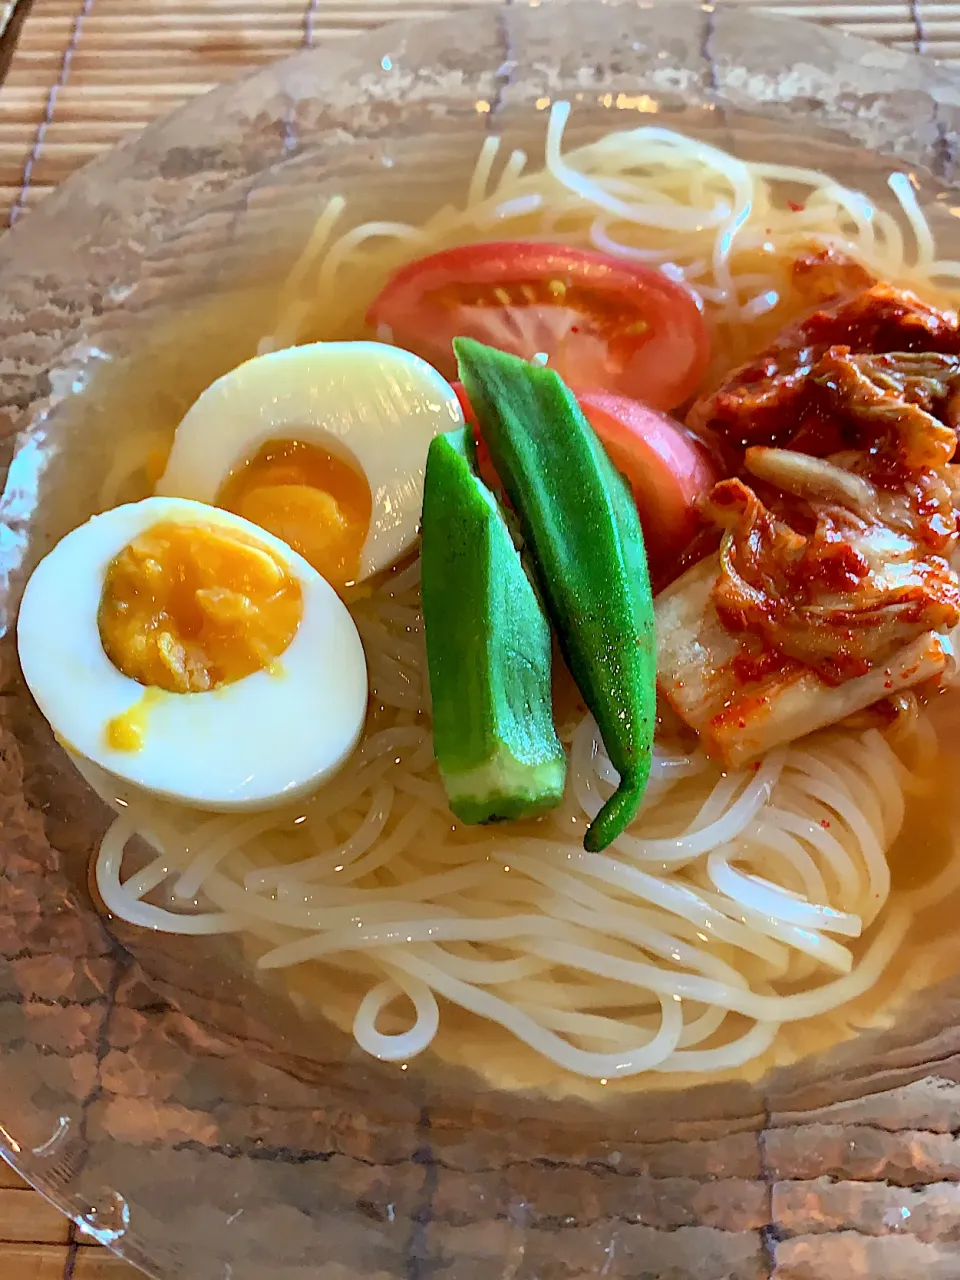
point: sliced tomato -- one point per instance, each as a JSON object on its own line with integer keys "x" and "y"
{"x": 667, "y": 467}
{"x": 466, "y": 408}
{"x": 601, "y": 321}
{"x": 485, "y": 468}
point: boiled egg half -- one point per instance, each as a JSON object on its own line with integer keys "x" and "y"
{"x": 323, "y": 445}
{"x": 190, "y": 652}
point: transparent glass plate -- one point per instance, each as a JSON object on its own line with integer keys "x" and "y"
{"x": 202, "y": 1124}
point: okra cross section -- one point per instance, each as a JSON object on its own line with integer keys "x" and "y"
{"x": 488, "y": 649}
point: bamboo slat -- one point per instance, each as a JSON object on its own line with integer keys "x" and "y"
{"x": 25, "y": 1217}
{"x": 8, "y": 1178}
{"x": 38, "y": 1243}
{"x": 47, "y": 1262}
{"x": 88, "y": 73}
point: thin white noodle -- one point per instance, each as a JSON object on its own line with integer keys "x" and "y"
{"x": 512, "y": 169}
{"x": 902, "y": 188}
{"x": 693, "y": 845}
{"x": 672, "y": 218}
{"x": 750, "y": 1045}
{"x": 531, "y": 1032}
{"x": 769, "y": 899}
{"x": 806, "y": 874}
{"x": 124, "y": 905}
{"x": 308, "y": 869}
{"x": 407, "y": 1044}
{"x": 191, "y": 882}
{"x": 810, "y": 944}
{"x": 480, "y": 179}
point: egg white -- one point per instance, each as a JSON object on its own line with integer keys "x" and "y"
{"x": 261, "y": 741}
{"x": 374, "y": 404}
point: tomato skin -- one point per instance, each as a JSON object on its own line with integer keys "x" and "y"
{"x": 466, "y": 408}
{"x": 666, "y": 466}
{"x": 485, "y": 468}
{"x": 602, "y": 321}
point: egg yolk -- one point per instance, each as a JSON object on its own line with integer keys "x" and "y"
{"x": 188, "y": 608}
{"x": 317, "y": 503}
{"x": 127, "y": 731}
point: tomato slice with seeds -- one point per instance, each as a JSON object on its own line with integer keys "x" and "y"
{"x": 601, "y": 322}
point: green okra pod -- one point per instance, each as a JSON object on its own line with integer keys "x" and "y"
{"x": 488, "y": 649}
{"x": 581, "y": 527}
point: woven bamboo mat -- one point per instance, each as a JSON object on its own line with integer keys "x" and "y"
{"x": 83, "y": 74}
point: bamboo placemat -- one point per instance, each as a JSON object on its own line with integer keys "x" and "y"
{"x": 86, "y": 73}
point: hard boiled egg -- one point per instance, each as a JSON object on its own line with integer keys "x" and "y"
{"x": 186, "y": 650}
{"x": 324, "y": 445}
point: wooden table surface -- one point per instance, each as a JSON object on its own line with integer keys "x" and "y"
{"x": 78, "y": 76}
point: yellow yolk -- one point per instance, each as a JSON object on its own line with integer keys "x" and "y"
{"x": 317, "y": 503}
{"x": 126, "y": 732}
{"x": 189, "y": 608}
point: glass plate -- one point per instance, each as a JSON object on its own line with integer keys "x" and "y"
{"x": 203, "y": 1125}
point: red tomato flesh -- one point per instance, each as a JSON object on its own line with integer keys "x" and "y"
{"x": 466, "y": 408}
{"x": 485, "y": 468}
{"x": 666, "y": 466}
{"x": 601, "y": 321}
